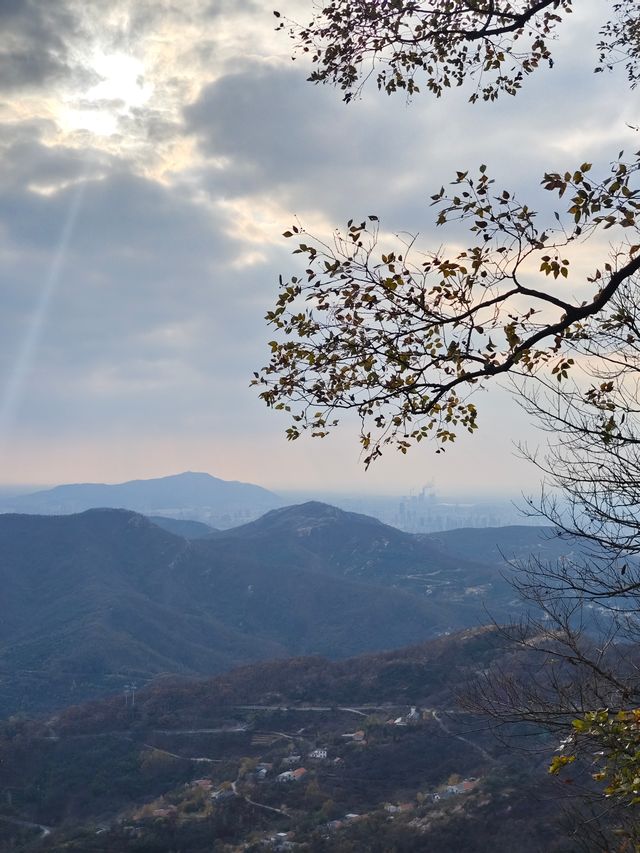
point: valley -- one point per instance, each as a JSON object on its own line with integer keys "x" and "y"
{"x": 269, "y": 758}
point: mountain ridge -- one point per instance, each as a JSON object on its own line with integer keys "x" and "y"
{"x": 88, "y": 596}
{"x": 194, "y": 495}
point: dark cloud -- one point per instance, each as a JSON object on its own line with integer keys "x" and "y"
{"x": 275, "y": 128}
{"x": 26, "y": 161}
{"x": 34, "y": 42}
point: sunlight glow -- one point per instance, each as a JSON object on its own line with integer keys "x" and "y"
{"x": 122, "y": 79}
{"x": 121, "y": 89}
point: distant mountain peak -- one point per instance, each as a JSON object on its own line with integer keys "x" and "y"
{"x": 305, "y": 517}
{"x": 189, "y": 494}
{"x": 314, "y": 512}
{"x": 316, "y": 517}
{"x": 183, "y": 475}
{"x": 180, "y": 477}
{"x": 318, "y": 509}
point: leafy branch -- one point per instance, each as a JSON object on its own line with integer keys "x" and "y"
{"x": 404, "y": 341}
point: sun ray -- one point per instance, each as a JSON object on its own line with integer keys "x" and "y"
{"x": 17, "y": 381}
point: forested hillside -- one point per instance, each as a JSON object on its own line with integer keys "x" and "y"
{"x": 97, "y": 600}
{"x": 380, "y": 754}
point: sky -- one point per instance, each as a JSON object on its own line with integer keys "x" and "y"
{"x": 152, "y": 154}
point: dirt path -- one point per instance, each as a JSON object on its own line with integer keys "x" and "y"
{"x": 253, "y": 802}
{"x": 483, "y": 752}
{"x": 197, "y": 759}
{"x": 44, "y": 830}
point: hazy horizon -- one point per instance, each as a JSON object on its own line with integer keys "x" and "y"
{"x": 324, "y": 494}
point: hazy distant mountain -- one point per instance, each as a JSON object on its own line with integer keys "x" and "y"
{"x": 497, "y": 545}
{"x": 91, "y": 601}
{"x": 187, "y": 495}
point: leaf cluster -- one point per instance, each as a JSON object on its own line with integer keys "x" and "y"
{"x": 611, "y": 742}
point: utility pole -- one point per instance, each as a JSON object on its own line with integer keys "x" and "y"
{"x": 130, "y": 690}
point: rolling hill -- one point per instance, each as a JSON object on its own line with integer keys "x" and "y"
{"x": 501, "y": 545}
{"x": 92, "y": 601}
{"x": 360, "y": 548}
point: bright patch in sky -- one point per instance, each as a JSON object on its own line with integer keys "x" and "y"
{"x": 122, "y": 80}
{"x": 121, "y": 88}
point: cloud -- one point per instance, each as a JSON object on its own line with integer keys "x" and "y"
{"x": 263, "y": 131}
{"x": 274, "y": 131}
{"x": 34, "y": 42}
{"x": 144, "y": 317}
{"x": 27, "y": 162}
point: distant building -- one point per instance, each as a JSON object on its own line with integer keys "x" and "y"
{"x": 318, "y": 754}
{"x": 292, "y": 775}
{"x": 357, "y": 737}
{"x": 224, "y": 794}
{"x": 262, "y": 771}
{"x": 288, "y": 760}
{"x": 287, "y": 776}
{"x": 169, "y": 811}
{"x": 464, "y": 787}
{"x": 401, "y": 807}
